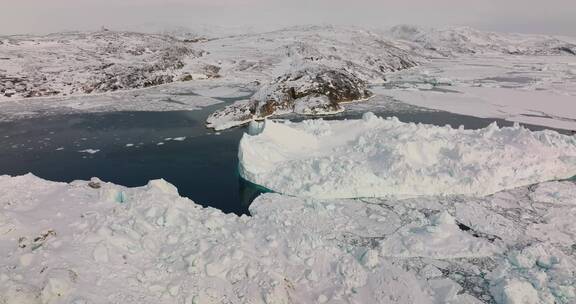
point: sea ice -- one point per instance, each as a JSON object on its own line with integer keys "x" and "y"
{"x": 546, "y": 108}
{"x": 78, "y": 243}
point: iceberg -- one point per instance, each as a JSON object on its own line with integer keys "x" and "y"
{"x": 384, "y": 157}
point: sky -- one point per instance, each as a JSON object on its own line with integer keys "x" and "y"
{"x": 44, "y": 16}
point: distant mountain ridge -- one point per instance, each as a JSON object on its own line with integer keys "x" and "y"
{"x": 74, "y": 63}
{"x": 465, "y": 40}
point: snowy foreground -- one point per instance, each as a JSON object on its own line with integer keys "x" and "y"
{"x": 95, "y": 242}
{"x": 377, "y": 157}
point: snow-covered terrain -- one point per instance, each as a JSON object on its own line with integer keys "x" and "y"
{"x": 82, "y": 63}
{"x": 307, "y": 70}
{"x": 330, "y": 64}
{"x": 452, "y": 41}
{"x": 95, "y": 242}
{"x": 377, "y": 157}
{"x": 304, "y": 70}
{"x": 539, "y": 90}
{"x": 273, "y": 54}
{"x": 435, "y": 53}
{"x": 86, "y": 62}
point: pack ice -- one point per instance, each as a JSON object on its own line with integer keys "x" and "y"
{"x": 381, "y": 157}
{"x": 91, "y": 242}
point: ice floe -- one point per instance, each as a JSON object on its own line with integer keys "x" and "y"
{"x": 90, "y": 151}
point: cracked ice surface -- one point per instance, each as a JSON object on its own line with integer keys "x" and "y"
{"x": 377, "y": 157}
{"x": 538, "y": 90}
{"x": 95, "y": 242}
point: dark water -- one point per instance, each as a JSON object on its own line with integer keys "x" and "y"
{"x": 439, "y": 118}
{"x": 203, "y": 166}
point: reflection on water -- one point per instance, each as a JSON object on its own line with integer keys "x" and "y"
{"x": 249, "y": 191}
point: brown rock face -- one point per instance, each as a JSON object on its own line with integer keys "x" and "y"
{"x": 309, "y": 91}
{"x": 338, "y": 85}
{"x": 282, "y": 94}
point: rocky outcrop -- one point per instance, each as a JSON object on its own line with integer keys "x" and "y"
{"x": 568, "y": 49}
{"x": 333, "y": 86}
{"x": 314, "y": 90}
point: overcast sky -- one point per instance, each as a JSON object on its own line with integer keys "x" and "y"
{"x": 43, "y": 16}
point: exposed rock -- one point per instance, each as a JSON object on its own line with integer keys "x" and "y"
{"x": 186, "y": 77}
{"x": 195, "y": 40}
{"x": 211, "y": 71}
{"x": 569, "y": 48}
{"x": 281, "y": 94}
{"x": 94, "y": 185}
{"x": 314, "y": 90}
{"x": 236, "y": 114}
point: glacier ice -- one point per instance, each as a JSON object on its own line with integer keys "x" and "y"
{"x": 384, "y": 157}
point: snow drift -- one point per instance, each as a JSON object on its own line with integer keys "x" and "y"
{"x": 377, "y": 157}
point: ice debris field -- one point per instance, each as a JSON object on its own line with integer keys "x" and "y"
{"x": 95, "y": 242}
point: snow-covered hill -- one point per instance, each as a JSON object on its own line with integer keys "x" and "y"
{"x": 452, "y": 41}
{"x": 86, "y": 62}
{"x": 304, "y": 69}
{"x": 272, "y": 54}
{"x": 94, "y": 62}
{"x": 337, "y": 61}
